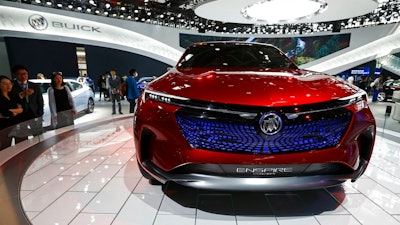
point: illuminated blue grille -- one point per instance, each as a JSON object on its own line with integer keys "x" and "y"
{"x": 244, "y": 136}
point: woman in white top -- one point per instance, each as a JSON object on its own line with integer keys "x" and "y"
{"x": 61, "y": 102}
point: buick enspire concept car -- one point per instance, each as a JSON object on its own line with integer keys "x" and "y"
{"x": 243, "y": 116}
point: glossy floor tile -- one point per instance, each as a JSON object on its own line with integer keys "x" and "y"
{"x": 92, "y": 177}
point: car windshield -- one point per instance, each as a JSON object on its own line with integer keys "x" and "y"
{"x": 44, "y": 87}
{"x": 146, "y": 79}
{"x": 234, "y": 55}
{"x": 70, "y": 84}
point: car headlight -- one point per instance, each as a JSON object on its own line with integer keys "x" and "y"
{"x": 356, "y": 102}
{"x": 162, "y": 97}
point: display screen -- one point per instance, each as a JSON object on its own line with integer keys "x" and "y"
{"x": 301, "y": 50}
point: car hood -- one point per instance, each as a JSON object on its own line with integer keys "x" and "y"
{"x": 254, "y": 88}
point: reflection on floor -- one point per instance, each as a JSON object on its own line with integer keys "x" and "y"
{"x": 92, "y": 178}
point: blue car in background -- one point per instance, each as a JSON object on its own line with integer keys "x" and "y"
{"x": 144, "y": 81}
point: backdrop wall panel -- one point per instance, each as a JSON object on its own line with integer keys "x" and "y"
{"x": 43, "y": 56}
{"x": 49, "y": 56}
{"x": 100, "y": 60}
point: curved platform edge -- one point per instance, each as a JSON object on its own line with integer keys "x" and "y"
{"x": 23, "y": 154}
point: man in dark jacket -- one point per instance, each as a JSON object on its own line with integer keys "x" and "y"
{"x": 114, "y": 82}
{"x": 32, "y": 98}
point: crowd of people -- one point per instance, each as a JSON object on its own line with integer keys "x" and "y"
{"x": 22, "y": 104}
{"x": 372, "y": 85}
{"x": 114, "y": 88}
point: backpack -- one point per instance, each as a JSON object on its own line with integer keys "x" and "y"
{"x": 122, "y": 88}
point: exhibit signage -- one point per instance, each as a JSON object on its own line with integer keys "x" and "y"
{"x": 39, "y": 22}
{"x": 377, "y": 72}
{"x": 361, "y": 71}
{"x": 71, "y": 28}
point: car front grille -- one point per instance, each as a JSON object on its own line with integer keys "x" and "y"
{"x": 233, "y": 132}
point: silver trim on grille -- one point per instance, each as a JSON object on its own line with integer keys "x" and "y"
{"x": 248, "y": 115}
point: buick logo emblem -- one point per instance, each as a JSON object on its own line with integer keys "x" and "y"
{"x": 270, "y": 123}
{"x": 38, "y": 22}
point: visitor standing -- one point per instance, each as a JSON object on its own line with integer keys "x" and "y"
{"x": 132, "y": 92}
{"x": 102, "y": 86}
{"x": 114, "y": 83}
{"x": 376, "y": 87}
{"x": 10, "y": 109}
{"x": 61, "y": 102}
{"x": 32, "y": 102}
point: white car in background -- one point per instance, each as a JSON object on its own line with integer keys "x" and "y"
{"x": 83, "y": 97}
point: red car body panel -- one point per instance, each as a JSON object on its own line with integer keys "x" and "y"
{"x": 265, "y": 88}
{"x": 165, "y": 152}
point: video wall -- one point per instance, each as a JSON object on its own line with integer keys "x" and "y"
{"x": 300, "y": 49}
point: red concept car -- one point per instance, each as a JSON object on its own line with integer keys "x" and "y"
{"x": 243, "y": 116}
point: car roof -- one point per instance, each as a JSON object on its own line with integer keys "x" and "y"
{"x": 230, "y": 43}
{"x": 146, "y": 78}
{"x": 48, "y": 80}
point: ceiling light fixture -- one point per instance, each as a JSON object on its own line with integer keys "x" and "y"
{"x": 273, "y": 11}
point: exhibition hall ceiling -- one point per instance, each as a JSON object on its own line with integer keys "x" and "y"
{"x": 241, "y": 16}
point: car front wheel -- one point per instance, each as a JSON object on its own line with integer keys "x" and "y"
{"x": 90, "y": 106}
{"x": 382, "y": 96}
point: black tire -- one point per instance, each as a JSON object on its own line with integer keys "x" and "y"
{"x": 90, "y": 106}
{"x": 382, "y": 96}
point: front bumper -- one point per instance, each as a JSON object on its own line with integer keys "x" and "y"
{"x": 215, "y": 182}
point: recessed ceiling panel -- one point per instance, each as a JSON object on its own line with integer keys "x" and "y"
{"x": 232, "y": 11}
